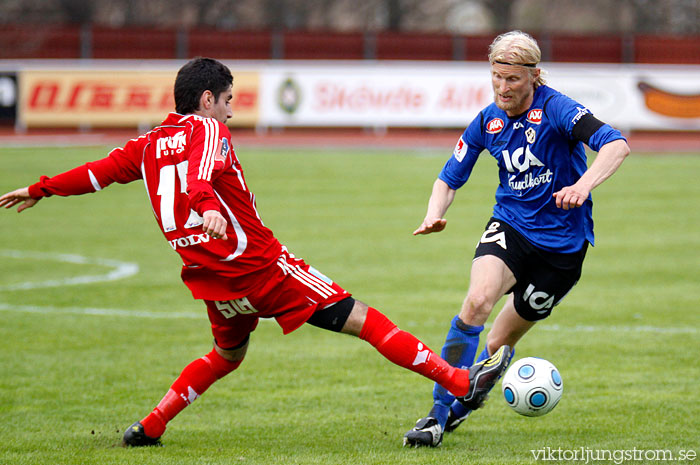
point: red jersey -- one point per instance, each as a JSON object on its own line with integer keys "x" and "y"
{"x": 188, "y": 166}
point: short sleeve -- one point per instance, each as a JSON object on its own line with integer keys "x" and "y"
{"x": 459, "y": 166}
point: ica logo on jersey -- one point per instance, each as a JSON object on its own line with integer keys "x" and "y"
{"x": 495, "y": 126}
{"x": 171, "y": 145}
{"x": 521, "y": 160}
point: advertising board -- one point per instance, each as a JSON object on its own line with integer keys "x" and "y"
{"x": 114, "y": 98}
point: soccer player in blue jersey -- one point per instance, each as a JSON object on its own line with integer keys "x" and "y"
{"x": 532, "y": 249}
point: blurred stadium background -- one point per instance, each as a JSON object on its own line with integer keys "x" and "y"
{"x": 625, "y": 31}
{"x": 371, "y": 95}
{"x": 109, "y": 63}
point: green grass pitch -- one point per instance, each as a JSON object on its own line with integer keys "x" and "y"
{"x": 79, "y": 362}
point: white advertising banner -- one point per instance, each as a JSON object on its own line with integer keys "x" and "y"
{"x": 634, "y": 96}
{"x": 414, "y": 94}
{"x": 369, "y": 94}
{"x": 373, "y": 95}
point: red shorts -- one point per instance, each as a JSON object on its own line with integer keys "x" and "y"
{"x": 291, "y": 292}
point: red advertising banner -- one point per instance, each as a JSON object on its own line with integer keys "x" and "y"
{"x": 118, "y": 98}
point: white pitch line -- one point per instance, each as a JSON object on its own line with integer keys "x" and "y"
{"x": 119, "y": 269}
{"x": 122, "y": 270}
{"x": 119, "y": 312}
{"x": 135, "y": 313}
{"x": 619, "y": 329}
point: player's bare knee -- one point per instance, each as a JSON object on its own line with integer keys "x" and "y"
{"x": 235, "y": 354}
{"x": 356, "y": 319}
{"x": 476, "y": 309}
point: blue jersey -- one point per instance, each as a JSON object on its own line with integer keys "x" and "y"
{"x": 538, "y": 153}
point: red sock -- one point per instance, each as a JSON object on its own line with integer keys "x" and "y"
{"x": 192, "y": 382}
{"x": 405, "y": 350}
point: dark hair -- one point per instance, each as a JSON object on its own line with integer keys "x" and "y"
{"x": 198, "y": 75}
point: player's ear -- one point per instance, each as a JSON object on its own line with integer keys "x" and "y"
{"x": 206, "y": 100}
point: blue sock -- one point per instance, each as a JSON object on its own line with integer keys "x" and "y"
{"x": 460, "y": 347}
{"x": 458, "y": 409}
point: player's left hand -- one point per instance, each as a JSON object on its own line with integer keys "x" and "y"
{"x": 570, "y": 197}
{"x": 22, "y": 196}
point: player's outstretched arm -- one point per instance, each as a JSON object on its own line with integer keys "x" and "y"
{"x": 609, "y": 159}
{"x": 440, "y": 201}
{"x": 19, "y": 196}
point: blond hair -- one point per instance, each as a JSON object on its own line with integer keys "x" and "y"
{"x": 517, "y": 48}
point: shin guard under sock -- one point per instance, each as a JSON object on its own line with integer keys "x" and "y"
{"x": 405, "y": 350}
{"x": 459, "y": 350}
{"x": 192, "y": 382}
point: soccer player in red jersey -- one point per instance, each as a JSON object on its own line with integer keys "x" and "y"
{"x": 234, "y": 263}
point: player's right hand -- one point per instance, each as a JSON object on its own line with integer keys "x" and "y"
{"x": 431, "y": 226}
{"x": 215, "y": 224}
{"x": 22, "y": 196}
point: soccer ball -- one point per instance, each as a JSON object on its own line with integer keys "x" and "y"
{"x": 532, "y": 386}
